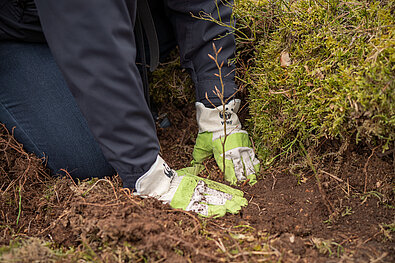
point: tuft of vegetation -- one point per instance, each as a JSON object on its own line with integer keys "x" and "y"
{"x": 170, "y": 84}
{"x": 317, "y": 69}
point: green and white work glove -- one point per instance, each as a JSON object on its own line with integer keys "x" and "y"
{"x": 185, "y": 191}
{"x": 240, "y": 161}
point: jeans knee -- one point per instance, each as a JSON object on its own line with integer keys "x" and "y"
{"x": 85, "y": 162}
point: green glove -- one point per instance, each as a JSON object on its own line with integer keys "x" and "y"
{"x": 240, "y": 161}
{"x": 189, "y": 192}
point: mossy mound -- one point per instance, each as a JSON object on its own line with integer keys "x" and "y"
{"x": 337, "y": 82}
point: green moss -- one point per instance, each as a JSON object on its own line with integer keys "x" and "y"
{"x": 341, "y": 79}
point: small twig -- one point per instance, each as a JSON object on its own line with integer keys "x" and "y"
{"x": 365, "y": 170}
{"x": 212, "y": 104}
{"x": 219, "y": 226}
{"x": 328, "y": 204}
{"x": 220, "y": 95}
{"x": 181, "y": 141}
{"x": 101, "y": 205}
{"x": 205, "y": 166}
{"x": 22, "y": 176}
{"x": 101, "y": 180}
{"x": 67, "y": 173}
{"x": 234, "y": 94}
{"x": 28, "y": 227}
{"x": 10, "y": 185}
{"x": 253, "y": 144}
{"x": 259, "y": 208}
{"x": 331, "y": 175}
{"x": 220, "y": 245}
{"x": 380, "y": 258}
{"x": 239, "y": 248}
{"x": 274, "y": 181}
{"x": 56, "y": 193}
{"x": 19, "y": 204}
{"x": 53, "y": 223}
{"x": 245, "y": 182}
{"x": 257, "y": 253}
{"x": 348, "y": 188}
{"x": 128, "y": 194}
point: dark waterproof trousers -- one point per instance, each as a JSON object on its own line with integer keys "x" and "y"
{"x": 93, "y": 44}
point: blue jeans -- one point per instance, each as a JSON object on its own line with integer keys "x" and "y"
{"x": 35, "y": 100}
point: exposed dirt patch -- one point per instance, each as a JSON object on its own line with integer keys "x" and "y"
{"x": 288, "y": 217}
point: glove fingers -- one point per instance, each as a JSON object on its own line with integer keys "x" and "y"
{"x": 222, "y": 187}
{"x": 217, "y": 210}
{"x": 233, "y": 206}
{"x": 206, "y": 197}
{"x": 207, "y": 201}
{"x": 249, "y": 167}
{"x": 239, "y": 169}
{"x": 244, "y": 164}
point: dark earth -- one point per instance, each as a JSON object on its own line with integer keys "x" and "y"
{"x": 336, "y": 208}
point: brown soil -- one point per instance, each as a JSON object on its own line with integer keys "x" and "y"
{"x": 349, "y": 218}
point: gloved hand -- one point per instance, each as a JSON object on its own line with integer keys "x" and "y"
{"x": 183, "y": 190}
{"x": 240, "y": 161}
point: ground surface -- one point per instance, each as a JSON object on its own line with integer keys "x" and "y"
{"x": 347, "y": 217}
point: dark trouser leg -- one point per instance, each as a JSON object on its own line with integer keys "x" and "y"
{"x": 164, "y": 29}
{"x": 195, "y": 38}
{"x": 36, "y": 101}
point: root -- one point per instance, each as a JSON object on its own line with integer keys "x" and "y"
{"x": 328, "y": 204}
{"x": 102, "y": 180}
{"x": 365, "y": 169}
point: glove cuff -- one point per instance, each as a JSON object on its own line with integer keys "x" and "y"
{"x": 158, "y": 182}
{"x": 212, "y": 120}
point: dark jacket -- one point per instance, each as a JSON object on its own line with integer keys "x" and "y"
{"x": 19, "y": 20}
{"x": 93, "y": 43}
